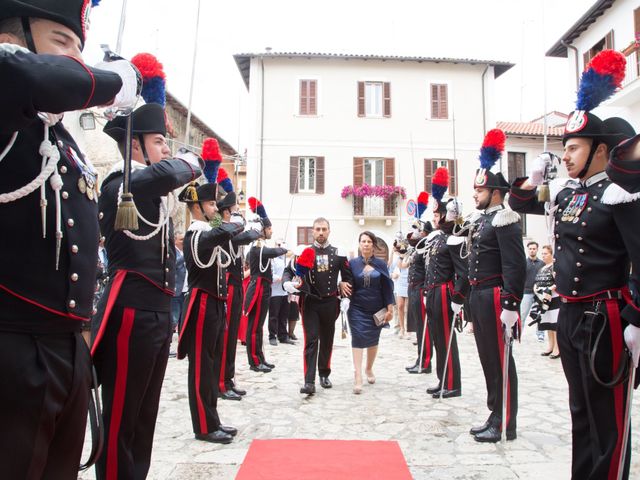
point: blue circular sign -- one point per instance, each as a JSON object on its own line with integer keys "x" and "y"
{"x": 412, "y": 207}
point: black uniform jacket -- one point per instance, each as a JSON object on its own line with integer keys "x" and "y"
{"x": 445, "y": 264}
{"x": 259, "y": 256}
{"x": 34, "y": 295}
{"x": 497, "y": 256}
{"x": 417, "y": 268}
{"x": 596, "y": 236}
{"x": 622, "y": 169}
{"x": 235, "y": 270}
{"x": 322, "y": 280}
{"x": 213, "y": 279}
{"x": 150, "y": 264}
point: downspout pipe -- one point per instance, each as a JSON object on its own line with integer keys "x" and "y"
{"x": 575, "y": 51}
{"x": 484, "y": 106}
{"x": 261, "y": 126}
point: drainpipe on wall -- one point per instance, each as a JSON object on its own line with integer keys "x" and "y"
{"x": 575, "y": 51}
{"x": 484, "y": 112}
{"x": 261, "y": 127}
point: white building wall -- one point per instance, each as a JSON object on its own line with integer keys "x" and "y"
{"x": 339, "y": 135}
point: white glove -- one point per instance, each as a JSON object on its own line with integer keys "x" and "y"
{"x": 237, "y": 217}
{"x": 456, "y": 307}
{"x": 289, "y": 287}
{"x": 632, "y": 339}
{"x": 509, "y": 319}
{"x": 539, "y": 167}
{"x": 344, "y": 305}
{"x": 191, "y": 158}
{"x": 254, "y": 225}
{"x": 127, "y": 97}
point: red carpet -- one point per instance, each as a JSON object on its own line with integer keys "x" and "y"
{"x": 323, "y": 460}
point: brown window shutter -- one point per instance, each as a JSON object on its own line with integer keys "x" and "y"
{"x": 358, "y": 171}
{"x": 313, "y": 102}
{"x": 361, "y": 99}
{"x": 608, "y": 40}
{"x": 586, "y": 57}
{"x": 389, "y": 171}
{"x": 301, "y": 231}
{"x": 428, "y": 173}
{"x": 304, "y": 96}
{"x": 386, "y": 89}
{"x": 636, "y": 22}
{"x": 434, "y": 101}
{"x": 444, "y": 102}
{"x": 293, "y": 174}
{"x": 453, "y": 174}
{"x": 320, "y": 175}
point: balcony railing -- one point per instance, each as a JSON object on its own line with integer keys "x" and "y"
{"x": 633, "y": 65}
{"x": 375, "y": 207}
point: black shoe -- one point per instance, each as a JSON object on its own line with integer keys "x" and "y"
{"x": 269, "y": 365}
{"x": 273, "y": 341}
{"x": 432, "y": 390}
{"x": 325, "y": 382}
{"x": 416, "y": 369}
{"x": 288, "y": 341}
{"x": 492, "y": 435}
{"x": 481, "y": 428}
{"x": 233, "y": 431}
{"x": 215, "y": 437}
{"x": 448, "y": 393}
{"x": 260, "y": 368}
{"x": 173, "y": 354}
{"x": 308, "y": 389}
{"x": 411, "y": 367}
{"x": 292, "y": 336}
{"x": 229, "y": 395}
{"x": 238, "y": 391}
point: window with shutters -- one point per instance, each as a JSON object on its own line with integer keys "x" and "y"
{"x": 439, "y": 101}
{"x": 308, "y": 97}
{"x": 432, "y": 164}
{"x": 305, "y": 235}
{"x": 602, "y": 44}
{"x": 374, "y": 171}
{"x": 374, "y": 99}
{"x": 516, "y": 165}
{"x": 306, "y": 175}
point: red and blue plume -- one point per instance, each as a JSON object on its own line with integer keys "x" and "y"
{"x": 600, "y": 79}
{"x": 224, "y": 181}
{"x": 305, "y": 261}
{"x": 256, "y": 207}
{"x": 492, "y": 148}
{"x": 212, "y": 159}
{"x": 423, "y": 201}
{"x": 153, "y": 78}
{"x": 94, "y": 3}
{"x": 439, "y": 183}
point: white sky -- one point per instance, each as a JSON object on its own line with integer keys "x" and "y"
{"x": 509, "y": 30}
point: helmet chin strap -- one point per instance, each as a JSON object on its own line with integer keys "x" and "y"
{"x": 594, "y": 147}
{"x": 26, "y": 30}
{"x": 206, "y": 217}
{"x": 143, "y": 148}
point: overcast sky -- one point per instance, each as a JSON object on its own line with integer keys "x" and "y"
{"x": 511, "y": 30}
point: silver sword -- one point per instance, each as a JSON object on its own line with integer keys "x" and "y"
{"x": 505, "y": 381}
{"x": 424, "y": 331}
{"x": 627, "y": 417}
{"x": 452, "y": 332}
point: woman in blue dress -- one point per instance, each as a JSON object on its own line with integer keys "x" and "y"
{"x": 372, "y": 292}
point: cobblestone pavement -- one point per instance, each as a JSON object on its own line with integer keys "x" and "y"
{"x": 433, "y": 435}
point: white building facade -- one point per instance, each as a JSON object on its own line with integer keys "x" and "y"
{"x": 613, "y": 24}
{"x": 323, "y": 122}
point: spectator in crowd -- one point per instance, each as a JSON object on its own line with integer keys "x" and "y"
{"x": 534, "y": 264}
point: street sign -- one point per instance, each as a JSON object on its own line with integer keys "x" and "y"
{"x": 411, "y": 207}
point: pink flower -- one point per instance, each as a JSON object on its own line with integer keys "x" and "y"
{"x": 365, "y": 190}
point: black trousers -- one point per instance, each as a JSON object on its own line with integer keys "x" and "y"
{"x": 278, "y": 313}
{"x": 257, "y": 304}
{"x": 417, "y": 311}
{"x": 203, "y": 338}
{"x": 440, "y": 315}
{"x": 43, "y": 404}
{"x": 484, "y": 306}
{"x": 235, "y": 297}
{"x": 597, "y": 412}
{"x": 319, "y": 325}
{"x": 131, "y": 361}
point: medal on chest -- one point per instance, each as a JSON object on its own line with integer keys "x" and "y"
{"x": 577, "y": 204}
{"x": 322, "y": 263}
{"x": 87, "y": 183}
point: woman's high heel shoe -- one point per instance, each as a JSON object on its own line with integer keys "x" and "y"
{"x": 371, "y": 378}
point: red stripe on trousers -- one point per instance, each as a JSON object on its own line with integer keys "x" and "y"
{"x": 498, "y": 308}
{"x": 617, "y": 342}
{"x": 111, "y": 300}
{"x": 446, "y": 322}
{"x": 199, "y": 328}
{"x": 258, "y": 295}
{"x": 119, "y": 391}
{"x": 221, "y": 386}
{"x": 304, "y": 334}
{"x": 426, "y": 340}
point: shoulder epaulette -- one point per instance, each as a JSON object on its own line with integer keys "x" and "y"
{"x": 455, "y": 240}
{"x": 614, "y": 194}
{"x": 505, "y": 217}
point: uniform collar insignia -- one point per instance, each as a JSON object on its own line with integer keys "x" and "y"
{"x": 495, "y": 208}
{"x": 598, "y": 177}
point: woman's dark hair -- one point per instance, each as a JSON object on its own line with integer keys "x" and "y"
{"x": 371, "y": 236}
